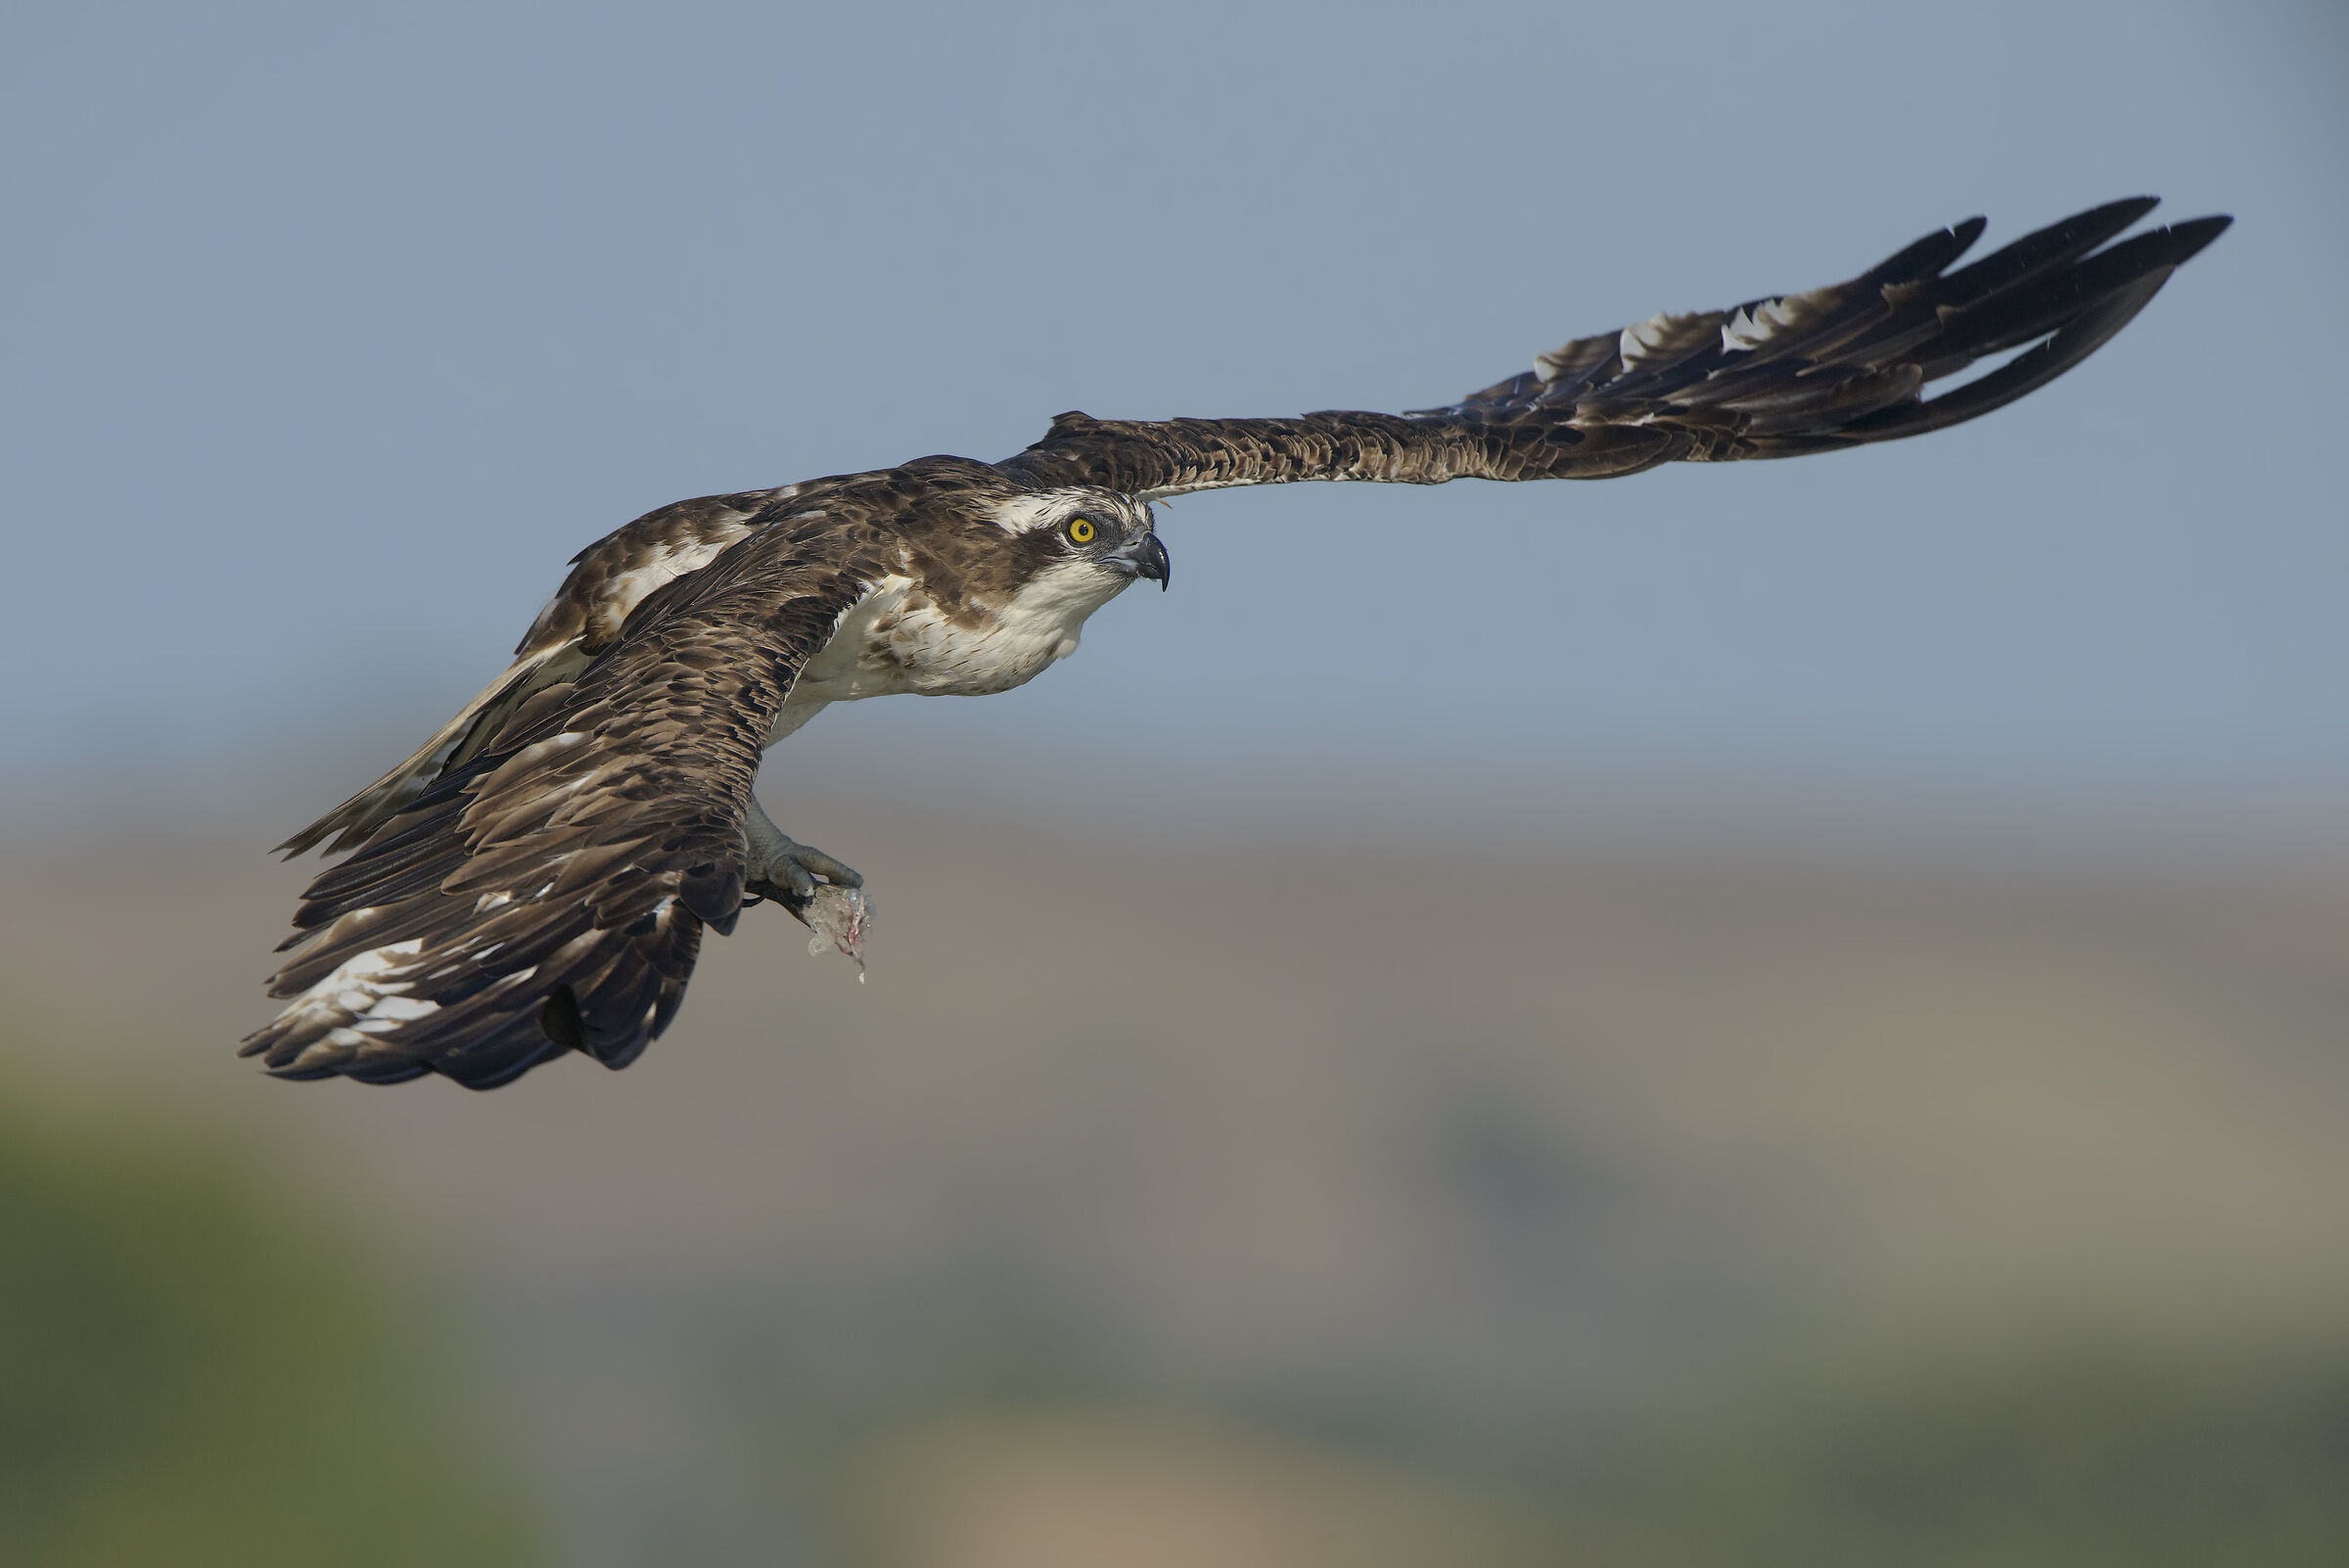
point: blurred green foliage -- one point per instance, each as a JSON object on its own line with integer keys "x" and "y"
{"x": 2037, "y": 1441}
{"x": 193, "y": 1373}
{"x": 2072, "y": 1456}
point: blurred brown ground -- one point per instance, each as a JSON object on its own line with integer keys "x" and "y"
{"x": 1202, "y": 1202}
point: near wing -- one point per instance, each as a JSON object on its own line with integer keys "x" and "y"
{"x": 607, "y": 580}
{"x": 549, "y": 894}
{"x": 1838, "y": 366}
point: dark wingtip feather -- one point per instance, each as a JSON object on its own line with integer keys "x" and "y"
{"x": 2188, "y": 238}
{"x": 2055, "y": 293}
{"x": 2042, "y": 251}
{"x": 2020, "y": 376}
{"x": 1927, "y": 255}
{"x": 2114, "y": 215}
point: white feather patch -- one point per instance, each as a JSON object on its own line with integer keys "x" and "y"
{"x": 1640, "y": 338}
{"x": 1752, "y": 326}
{"x": 367, "y": 987}
{"x": 1024, "y": 512}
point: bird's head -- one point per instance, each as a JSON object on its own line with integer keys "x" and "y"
{"x": 1091, "y": 543}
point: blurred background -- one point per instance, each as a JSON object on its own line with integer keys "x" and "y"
{"x": 1809, "y": 1030}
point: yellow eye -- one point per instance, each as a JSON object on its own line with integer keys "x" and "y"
{"x": 1080, "y": 530}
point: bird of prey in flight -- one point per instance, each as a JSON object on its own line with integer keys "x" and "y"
{"x": 535, "y": 877}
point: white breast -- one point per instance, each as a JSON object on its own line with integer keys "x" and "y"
{"x": 894, "y": 641}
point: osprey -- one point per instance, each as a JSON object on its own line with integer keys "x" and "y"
{"x": 535, "y": 877}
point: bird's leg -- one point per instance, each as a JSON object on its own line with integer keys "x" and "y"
{"x": 781, "y": 868}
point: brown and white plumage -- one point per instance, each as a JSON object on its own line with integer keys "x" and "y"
{"x": 607, "y": 580}
{"x": 554, "y": 887}
{"x": 534, "y": 878}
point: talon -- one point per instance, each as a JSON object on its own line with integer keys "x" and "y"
{"x": 797, "y": 865}
{"x": 795, "y": 877}
{"x": 809, "y": 859}
{"x": 780, "y": 867}
{"x": 789, "y": 872}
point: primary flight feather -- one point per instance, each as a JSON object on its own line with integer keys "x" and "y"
{"x": 535, "y": 877}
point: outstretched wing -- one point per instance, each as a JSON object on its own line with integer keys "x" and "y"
{"x": 607, "y": 580}
{"x": 549, "y": 894}
{"x": 1838, "y": 366}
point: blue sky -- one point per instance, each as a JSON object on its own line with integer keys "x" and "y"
{"x": 332, "y": 333}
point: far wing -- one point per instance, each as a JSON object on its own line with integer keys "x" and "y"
{"x": 549, "y": 894}
{"x": 1839, "y": 366}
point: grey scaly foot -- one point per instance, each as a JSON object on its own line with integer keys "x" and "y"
{"x": 782, "y": 869}
{"x": 793, "y": 872}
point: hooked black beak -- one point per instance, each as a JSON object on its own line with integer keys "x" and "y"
{"x": 1150, "y": 561}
